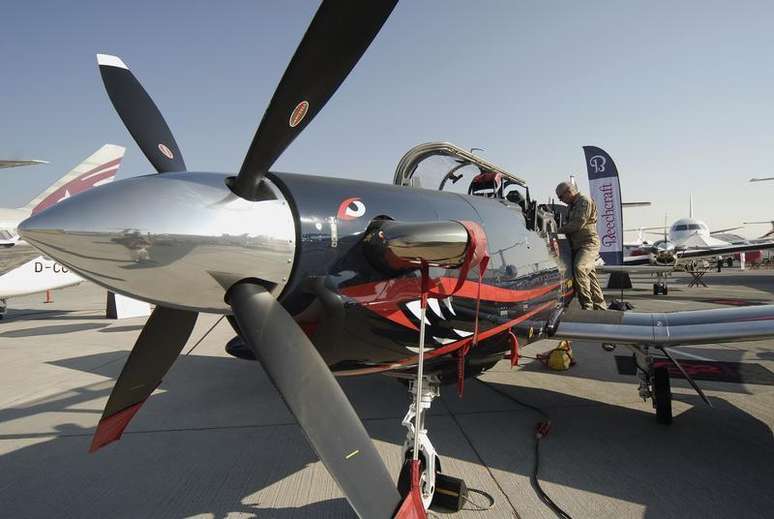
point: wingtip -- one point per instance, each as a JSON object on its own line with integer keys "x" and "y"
{"x": 108, "y": 60}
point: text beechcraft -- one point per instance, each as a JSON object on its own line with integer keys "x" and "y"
{"x": 322, "y": 275}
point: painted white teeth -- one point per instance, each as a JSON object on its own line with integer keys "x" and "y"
{"x": 415, "y": 308}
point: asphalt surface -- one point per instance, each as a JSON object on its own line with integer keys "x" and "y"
{"x": 216, "y": 441}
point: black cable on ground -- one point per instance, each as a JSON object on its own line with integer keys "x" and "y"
{"x": 479, "y": 507}
{"x": 542, "y": 430}
{"x": 205, "y": 335}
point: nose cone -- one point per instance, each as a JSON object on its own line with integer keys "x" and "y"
{"x": 178, "y": 239}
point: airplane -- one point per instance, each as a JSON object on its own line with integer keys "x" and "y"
{"x": 690, "y": 239}
{"x": 322, "y": 275}
{"x": 23, "y": 270}
{"x": 761, "y": 179}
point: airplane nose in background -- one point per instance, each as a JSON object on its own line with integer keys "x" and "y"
{"x": 175, "y": 239}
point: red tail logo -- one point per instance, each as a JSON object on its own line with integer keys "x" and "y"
{"x": 100, "y": 175}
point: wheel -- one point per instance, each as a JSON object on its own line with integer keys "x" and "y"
{"x": 662, "y": 395}
{"x": 665, "y": 290}
{"x": 729, "y": 262}
{"x": 404, "y": 478}
{"x": 655, "y": 289}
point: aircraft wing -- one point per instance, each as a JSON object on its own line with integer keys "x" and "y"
{"x": 668, "y": 329}
{"x": 16, "y": 254}
{"x": 636, "y": 269}
{"x": 705, "y": 252}
{"x": 17, "y": 163}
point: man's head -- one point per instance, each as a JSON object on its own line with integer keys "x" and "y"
{"x": 566, "y": 192}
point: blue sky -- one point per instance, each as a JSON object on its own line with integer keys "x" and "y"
{"x": 679, "y": 93}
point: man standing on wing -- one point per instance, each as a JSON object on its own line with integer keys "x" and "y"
{"x": 581, "y": 230}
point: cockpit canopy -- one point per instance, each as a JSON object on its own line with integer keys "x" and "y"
{"x": 443, "y": 166}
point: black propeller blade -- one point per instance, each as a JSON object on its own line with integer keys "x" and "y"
{"x": 164, "y": 335}
{"x": 140, "y": 115}
{"x": 339, "y": 34}
{"x": 316, "y": 399}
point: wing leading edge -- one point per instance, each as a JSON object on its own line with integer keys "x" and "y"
{"x": 669, "y": 329}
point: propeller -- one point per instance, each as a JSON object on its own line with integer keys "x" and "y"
{"x": 339, "y": 34}
{"x": 160, "y": 342}
{"x": 140, "y": 115}
{"x": 316, "y": 400}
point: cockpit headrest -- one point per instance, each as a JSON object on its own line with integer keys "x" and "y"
{"x": 486, "y": 181}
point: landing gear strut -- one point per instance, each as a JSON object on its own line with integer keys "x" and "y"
{"x": 660, "y": 286}
{"x": 429, "y": 462}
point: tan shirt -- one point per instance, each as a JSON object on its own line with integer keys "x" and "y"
{"x": 581, "y": 225}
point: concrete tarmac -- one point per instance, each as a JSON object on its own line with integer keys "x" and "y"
{"x": 216, "y": 441}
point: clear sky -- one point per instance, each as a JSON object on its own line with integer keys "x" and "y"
{"x": 681, "y": 94}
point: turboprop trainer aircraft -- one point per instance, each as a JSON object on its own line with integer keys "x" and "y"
{"x": 322, "y": 275}
{"x": 23, "y": 270}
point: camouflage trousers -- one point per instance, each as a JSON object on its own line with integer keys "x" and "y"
{"x": 586, "y": 283}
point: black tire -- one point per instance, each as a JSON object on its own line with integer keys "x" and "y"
{"x": 729, "y": 262}
{"x": 665, "y": 290}
{"x": 662, "y": 395}
{"x": 655, "y": 289}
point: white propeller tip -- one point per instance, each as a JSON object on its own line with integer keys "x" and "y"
{"x": 110, "y": 61}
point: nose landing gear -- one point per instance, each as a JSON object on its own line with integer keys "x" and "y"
{"x": 430, "y": 465}
{"x": 436, "y": 488}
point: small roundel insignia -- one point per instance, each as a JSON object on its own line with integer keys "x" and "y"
{"x": 166, "y": 152}
{"x": 299, "y": 112}
{"x": 350, "y": 209}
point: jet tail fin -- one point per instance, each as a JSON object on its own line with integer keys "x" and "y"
{"x": 99, "y": 168}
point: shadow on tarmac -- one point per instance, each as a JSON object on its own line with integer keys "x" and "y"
{"x": 54, "y": 329}
{"x": 218, "y": 439}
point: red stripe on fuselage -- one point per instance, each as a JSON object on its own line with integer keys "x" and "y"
{"x": 409, "y": 289}
{"x": 383, "y": 297}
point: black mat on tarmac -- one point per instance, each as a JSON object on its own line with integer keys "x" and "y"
{"x": 718, "y": 371}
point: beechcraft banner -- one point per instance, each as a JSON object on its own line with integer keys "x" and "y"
{"x": 606, "y": 193}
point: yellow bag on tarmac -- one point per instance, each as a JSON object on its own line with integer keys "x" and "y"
{"x": 560, "y": 358}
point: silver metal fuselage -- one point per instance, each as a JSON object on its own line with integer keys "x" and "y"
{"x": 177, "y": 239}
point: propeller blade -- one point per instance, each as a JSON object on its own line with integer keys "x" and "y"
{"x": 316, "y": 400}
{"x": 140, "y": 115}
{"x": 160, "y": 341}
{"x": 339, "y": 34}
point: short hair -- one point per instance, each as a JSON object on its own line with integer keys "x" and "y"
{"x": 564, "y": 187}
